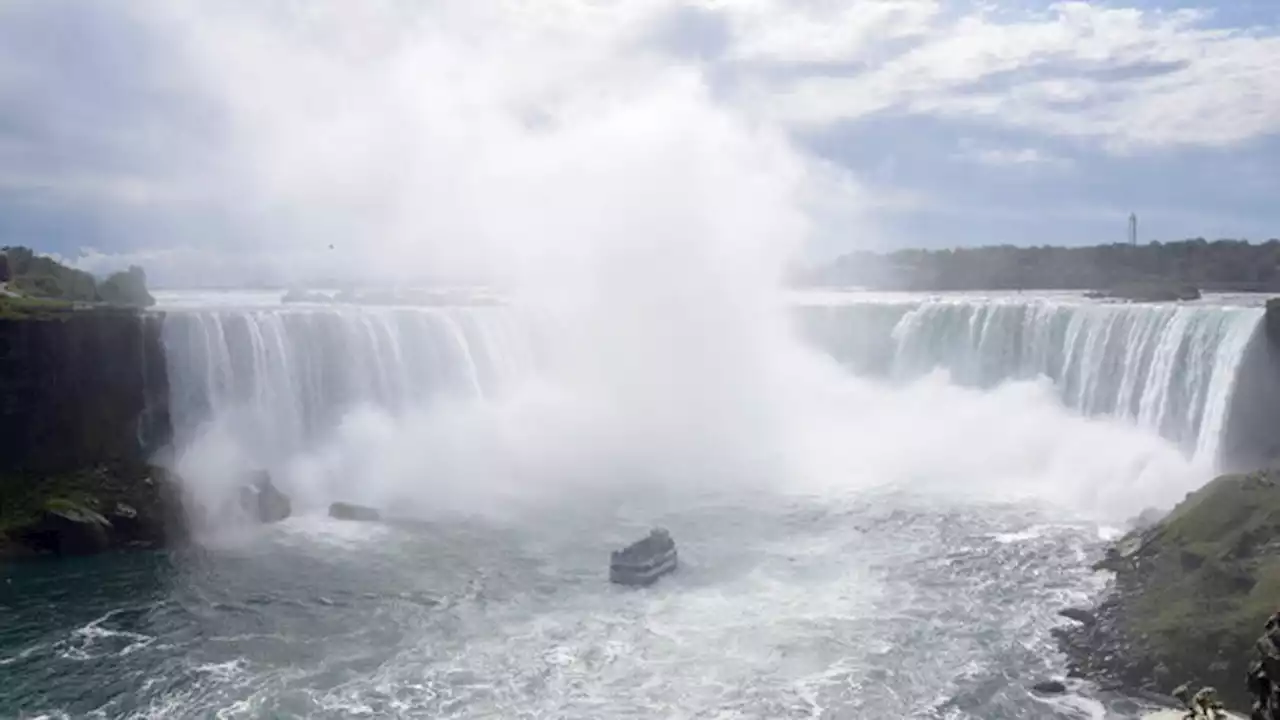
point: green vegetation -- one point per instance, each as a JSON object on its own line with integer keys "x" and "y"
{"x": 34, "y": 277}
{"x": 38, "y": 276}
{"x": 1222, "y": 265}
{"x": 27, "y": 497}
{"x": 1199, "y": 584}
{"x": 126, "y": 288}
{"x": 16, "y": 307}
{"x": 1214, "y": 575}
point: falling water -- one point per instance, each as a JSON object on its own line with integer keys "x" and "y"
{"x": 283, "y": 375}
{"x": 1169, "y": 368}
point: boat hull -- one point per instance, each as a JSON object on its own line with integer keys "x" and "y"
{"x": 640, "y": 575}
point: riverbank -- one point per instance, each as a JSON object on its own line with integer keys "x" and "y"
{"x": 1190, "y": 594}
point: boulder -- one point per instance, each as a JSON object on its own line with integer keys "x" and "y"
{"x": 263, "y": 501}
{"x": 1264, "y": 672}
{"x": 351, "y": 511}
{"x": 1049, "y": 687}
{"x": 1080, "y": 615}
{"x": 69, "y": 528}
{"x": 89, "y": 511}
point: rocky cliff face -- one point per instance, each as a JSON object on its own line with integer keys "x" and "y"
{"x": 83, "y": 410}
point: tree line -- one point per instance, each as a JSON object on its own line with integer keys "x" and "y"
{"x": 36, "y": 276}
{"x": 1217, "y": 266}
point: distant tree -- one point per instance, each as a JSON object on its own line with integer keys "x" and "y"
{"x": 45, "y": 277}
{"x": 4, "y": 267}
{"x": 126, "y": 288}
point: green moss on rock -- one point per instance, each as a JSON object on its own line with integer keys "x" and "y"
{"x": 137, "y": 506}
{"x": 1193, "y": 589}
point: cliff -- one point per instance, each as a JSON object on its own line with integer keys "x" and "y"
{"x": 83, "y": 408}
{"x": 1190, "y": 593}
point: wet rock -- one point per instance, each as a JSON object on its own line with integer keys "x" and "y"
{"x": 263, "y": 501}
{"x": 1049, "y": 687}
{"x": 69, "y": 528}
{"x": 1264, "y": 672}
{"x": 1080, "y": 615}
{"x": 93, "y": 510}
{"x": 351, "y": 511}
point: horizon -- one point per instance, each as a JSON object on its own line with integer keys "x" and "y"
{"x": 796, "y": 273}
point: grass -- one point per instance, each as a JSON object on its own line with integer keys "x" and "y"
{"x": 29, "y": 308}
{"x": 1210, "y": 577}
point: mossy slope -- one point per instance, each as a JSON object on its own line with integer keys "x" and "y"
{"x": 1192, "y": 590}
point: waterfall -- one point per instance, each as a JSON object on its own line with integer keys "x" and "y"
{"x": 280, "y": 376}
{"x": 1169, "y": 368}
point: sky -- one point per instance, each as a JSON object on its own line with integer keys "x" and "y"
{"x": 130, "y": 132}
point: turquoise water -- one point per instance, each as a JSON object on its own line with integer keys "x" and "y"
{"x": 784, "y": 607}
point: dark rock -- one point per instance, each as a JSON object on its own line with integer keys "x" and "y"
{"x": 98, "y": 511}
{"x": 1078, "y": 614}
{"x": 350, "y": 511}
{"x": 84, "y": 404}
{"x": 1190, "y": 560}
{"x": 263, "y": 501}
{"x": 1049, "y": 687}
{"x": 1271, "y": 321}
{"x": 67, "y": 528}
{"x": 81, "y": 390}
{"x": 1263, "y": 679}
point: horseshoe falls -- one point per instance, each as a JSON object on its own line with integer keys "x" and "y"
{"x": 1171, "y": 369}
{"x": 287, "y": 375}
{"x": 277, "y": 386}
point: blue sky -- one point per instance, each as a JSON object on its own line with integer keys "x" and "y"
{"x": 946, "y": 122}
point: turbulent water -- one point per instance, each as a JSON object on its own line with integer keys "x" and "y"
{"x": 801, "y": 609}
{"x": 878, "y": 598}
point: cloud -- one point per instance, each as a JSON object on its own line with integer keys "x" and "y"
{"x": 789, "y": 32}
{"x": 1131, "y": 79}
{"x": 458, "y": 138}
{"x": 973, "y": 152}
{"x": 263, "y": 131}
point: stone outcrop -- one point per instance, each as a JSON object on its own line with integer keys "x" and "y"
{"x": 80, "y": 389}
{"x": 1271, "y": 321}
{"x": 83, "y": 410}
{"x": 1189, "y": 594}
{"x": 1264, "y": 673}
{"x": 263, "y": 501}
{"x": 351, "y": 511}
